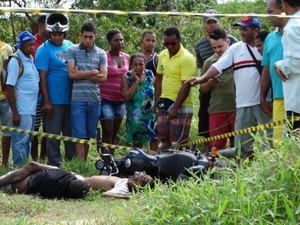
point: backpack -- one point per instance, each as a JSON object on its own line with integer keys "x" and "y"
{"x": 4, "y": 70}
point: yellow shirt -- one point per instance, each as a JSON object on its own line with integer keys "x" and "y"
{"x": 174, "y": 71}
{"x": 5, "y": 51}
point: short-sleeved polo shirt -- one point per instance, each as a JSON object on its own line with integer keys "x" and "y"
{"x": 174, "y": 71}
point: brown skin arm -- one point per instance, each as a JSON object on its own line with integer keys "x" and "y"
{"x": 76, "y": 74}
{"x": 48, "y": 108}
{"x": 10, "y": 94}
{"x": 264, "y": 88}
{"x": 158, "y": 83}
{"x": 212, "y": 72}
{"x": 102, "y": 76}
{"x": 181, "y": 96}
{"x": 208, "y": 86}
{"x": 127, "y": 90}
{"x": 281, "y": 75}
{"x": 102, "y": 182}
{"x": 186, "y": 87}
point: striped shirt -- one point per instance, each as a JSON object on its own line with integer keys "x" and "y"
{"x": 85, "y": 90}
{"x": 246, "y": 75}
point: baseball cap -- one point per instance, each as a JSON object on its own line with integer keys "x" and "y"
{"x": 249, "y": 21}
{"x": 211, "y": 11}
{"x": 23, "y": 37}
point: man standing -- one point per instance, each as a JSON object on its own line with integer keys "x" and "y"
{"x": 87, "y": 67}
{"x": 56, "y": 86}
{"x": 41, "y": 36}
{"x": 175, "y": 65}
{"x": 5, "y": 113}
{"x": 203, "y": 51}
{"x": 288, "y": 69}
{"x": 246, "y": 78}
{"x": 22, "y": 93}
{"x": 273, "y": 52}
{"x": 222, "y": 100}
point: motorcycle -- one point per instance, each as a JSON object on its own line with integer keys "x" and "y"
{"x": 172, "y": 164}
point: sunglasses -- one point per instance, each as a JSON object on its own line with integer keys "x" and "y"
{"x": 166, "y": 44}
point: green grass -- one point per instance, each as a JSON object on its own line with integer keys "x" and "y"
{"x": 264, "y": 192}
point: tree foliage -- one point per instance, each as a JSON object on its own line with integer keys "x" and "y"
{"x": 133, "y": 26}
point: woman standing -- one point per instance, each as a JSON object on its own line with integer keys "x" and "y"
{"x": 112, "y": 102}
{"x": 138, "y": 92}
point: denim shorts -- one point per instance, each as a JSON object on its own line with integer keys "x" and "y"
{"x": 5, "y": 116}
{"x": 85, "y": 116}
{"x": 112, "y": 110}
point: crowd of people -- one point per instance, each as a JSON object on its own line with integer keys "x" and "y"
{"x": 71, "y": 88}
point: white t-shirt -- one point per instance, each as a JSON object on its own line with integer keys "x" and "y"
{"x": 246, "y": 75}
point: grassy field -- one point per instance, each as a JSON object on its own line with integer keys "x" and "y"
{"x": 265, "y": 191}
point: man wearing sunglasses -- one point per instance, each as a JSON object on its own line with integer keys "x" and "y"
{"x": 175, "y": 66}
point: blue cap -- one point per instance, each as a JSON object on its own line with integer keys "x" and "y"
{"x": 23, "y": 37}
{"x": 249, "y": 21}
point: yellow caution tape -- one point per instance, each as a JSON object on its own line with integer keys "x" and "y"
{"x": 199, "y": 141}
{"x": 62, "y": 138}
{"x": 118, "y": 12}
{"x": 243, "y": 131}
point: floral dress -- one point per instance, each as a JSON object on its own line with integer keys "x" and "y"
{"x": 140, "y": 118}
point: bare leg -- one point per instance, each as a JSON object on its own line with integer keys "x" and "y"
{"x": 107, "y": 131}
{"x": 117, "y": 124}
{"x": 5, "y": 150}
{"x": 82, "y": 151}
{"x": 18, "y": 175}
{"x": 86, "y": 151}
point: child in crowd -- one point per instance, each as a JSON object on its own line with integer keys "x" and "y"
{"x": 260, "y": 39}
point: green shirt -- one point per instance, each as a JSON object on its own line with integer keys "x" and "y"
{"x": 222, "y": 96}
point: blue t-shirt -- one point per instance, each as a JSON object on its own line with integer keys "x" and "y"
{"x": 273, "y": 52}
{"x": 27, "y": 86}
{"x": 51, "y": 58}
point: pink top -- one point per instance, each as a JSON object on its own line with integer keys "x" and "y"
{"x": 111, "y": 88}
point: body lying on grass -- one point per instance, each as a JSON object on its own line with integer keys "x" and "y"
{"x": 52, "y": 182}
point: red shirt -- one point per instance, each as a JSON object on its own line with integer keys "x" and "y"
{"x": 37, "y": 44}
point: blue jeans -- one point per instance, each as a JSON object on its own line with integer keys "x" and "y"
{"x": 112, "y": 110}
{"x": 85, "y": 116}
{"x": 21, "y": 142}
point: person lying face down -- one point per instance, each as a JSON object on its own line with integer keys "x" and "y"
{"x": 52, "y": 182}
